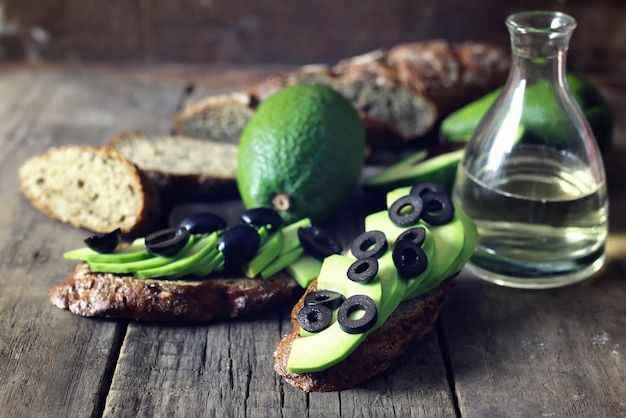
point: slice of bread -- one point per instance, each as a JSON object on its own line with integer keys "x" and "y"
{"x": 122, "y": 296}
{"x": 183, "y": 168}
{"x": 219, "y": 118}
{"x": 400, "y": 93}
{"x": 91, "y": 187}
{"x": 381, "y": 350}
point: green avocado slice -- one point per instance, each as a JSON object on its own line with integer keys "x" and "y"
{"x": 440, "y": 168}
{"x": 449, "y": 242}
{"x": 305, "y": 269}
{"x": 133, "y": 266}
{"x": 133, "y": 252}
{"x": 319, "y": 351}
{"x": 184, "y": 263}
{"x": 265, "y": 255}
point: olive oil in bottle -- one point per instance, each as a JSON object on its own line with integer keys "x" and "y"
{"x": 532, "y": 176}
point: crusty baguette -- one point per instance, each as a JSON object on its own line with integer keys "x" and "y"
{"x": 381, "y": 350}
{"x": 220, "y": 117}
{"x": 183, "y": 168}
{"x": 91, "y": 187}
{"x": 400, "y": 93}
{"x": 122, "y": 296}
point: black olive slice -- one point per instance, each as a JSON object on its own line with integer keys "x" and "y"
{"x": 315, "y": 318}
{"x": 427, "y": 187}
{"x": 239, "y": 244}
{"x": 369, "y": 244}
{"x": 365, "y": 321}
{"x": 416, "y": 235}
{"x": 259, "y": 217}
{"x": 104, "y": 243}
{"x": 363, "y": 270}
{"x": 166, "y": 242}
{"x": 406, "y": 210}
{"x": 203, "y": 223}
{"x": 332, "y": 300}
{"x": 409, "y": 258}
{"x": 438, "y": 208}
{"x": 317, "y": 243}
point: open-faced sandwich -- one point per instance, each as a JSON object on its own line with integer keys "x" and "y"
{"x": 197, "y": 271}
{"x": 365, "y": 309}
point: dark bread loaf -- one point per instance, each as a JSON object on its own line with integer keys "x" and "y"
{"x": 122, "y": 296}
{"x": 381, "y": 350}
{"x": 91, "y": 187}
{"x": 400, "y": 93}
{"x": 182, "y": 168}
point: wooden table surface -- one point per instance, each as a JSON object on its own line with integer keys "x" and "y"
{"x": 495, "y": 352}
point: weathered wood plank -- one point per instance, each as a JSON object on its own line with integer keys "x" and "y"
{"x": 51, "y": 362}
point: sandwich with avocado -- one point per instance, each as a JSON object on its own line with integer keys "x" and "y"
{"x": 361, "y": 314}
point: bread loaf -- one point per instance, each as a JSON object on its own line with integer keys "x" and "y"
{"x": 219, "y": 117}
{"x": 91, "y": 187}
{"x": 381, "y": 350}
{"x": 400, "y": 93}
{"x": 122, "y": 296}
{"x": 183, "y": 168}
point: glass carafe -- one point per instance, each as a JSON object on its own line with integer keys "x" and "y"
{"x": 532, "y": 177}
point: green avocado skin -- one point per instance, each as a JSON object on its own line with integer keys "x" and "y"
{"x": 460, "y": 125}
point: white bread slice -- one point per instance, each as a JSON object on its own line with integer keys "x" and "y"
{"x": 91, "y": 187}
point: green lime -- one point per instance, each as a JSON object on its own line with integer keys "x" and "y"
{"x": 301, "y": 153}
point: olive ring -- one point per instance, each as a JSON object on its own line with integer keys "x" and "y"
{"x": 369, "y": 244}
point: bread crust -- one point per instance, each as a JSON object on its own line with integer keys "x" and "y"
{"x": 43, "y": 191}
{"x": 107, "y": 295}
{"x": 381, "y": 350}
{"x": 399, "y": 92}
{"x": 175, "y": 186}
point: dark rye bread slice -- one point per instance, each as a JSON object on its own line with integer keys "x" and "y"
{"x": 183, "y": 168}
{"x": 91, "y": 187}
{"x": 381, "y": 350}
{"x": 108, "y": 295}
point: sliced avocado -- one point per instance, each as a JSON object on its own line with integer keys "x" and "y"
{"x": 290, "y": 232}
{"x": 133, "y": 266}
{"x": 396, "y": 194}
{"x": 305, "y": 269}
{"x": 281, "y": 262}
{"x": 393, "y": 287}
{"x": 133, "y": 252}
{"x": 430, "y": 248}
{"x": 208, "y": 264}
{"x": 379, "y": 221}
{"x": 265, "y": 255}
{"x": 471, "y": 239}
{"x": 440, "y": 168}
{"x": 184, "y": 263}
{"x": 395, "y": 171}
{"x": 448, "y": 245}
{"x": 330, "y": 346}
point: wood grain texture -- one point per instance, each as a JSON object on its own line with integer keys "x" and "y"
{"x": 52, "y": 363}
{"x": 496, "y": 351}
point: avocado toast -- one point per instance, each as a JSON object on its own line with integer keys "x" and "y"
{"x": 192, "y": 273}
{"x": 406, "y": 260}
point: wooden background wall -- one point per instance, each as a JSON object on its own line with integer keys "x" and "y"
{"x": 244, "y": 32}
